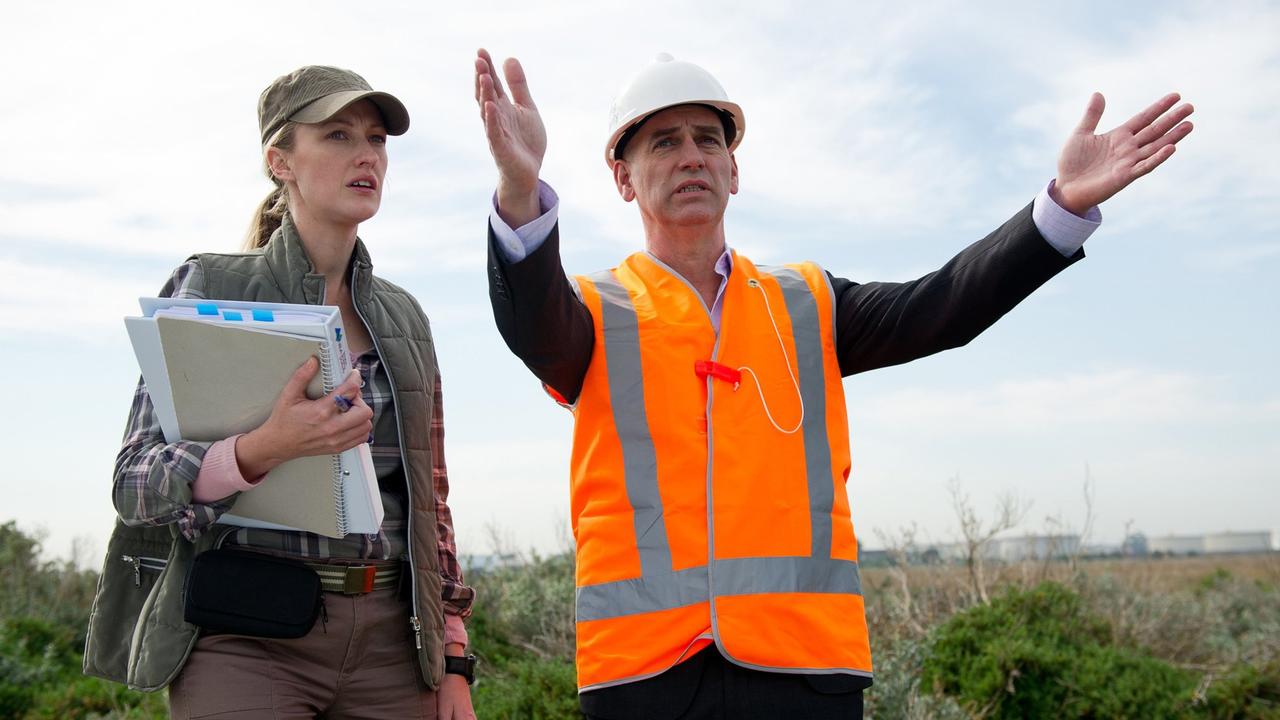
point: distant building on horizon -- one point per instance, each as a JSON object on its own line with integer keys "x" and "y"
{"x": 1008, "y": 549}
{"x": 1215, "y": 543}
{"x": 1014, "y": 549}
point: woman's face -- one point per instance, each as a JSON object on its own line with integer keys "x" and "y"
{"x": 335, "y": 168}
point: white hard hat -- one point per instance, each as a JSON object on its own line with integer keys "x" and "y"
{"x": 668, "y": 82}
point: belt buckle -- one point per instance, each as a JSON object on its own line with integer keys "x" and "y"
{"x": 358, "y": 579}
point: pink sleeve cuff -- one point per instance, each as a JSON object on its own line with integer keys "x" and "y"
{"x": 220, "y": 473}
{"x": 454, "y": 630}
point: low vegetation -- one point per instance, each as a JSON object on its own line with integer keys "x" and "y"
{"x": 1175, "y": 638}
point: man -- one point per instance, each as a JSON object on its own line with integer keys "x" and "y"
{"x": 716, "y": 561}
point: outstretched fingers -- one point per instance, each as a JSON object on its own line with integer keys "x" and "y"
{"x": 1139, "y": 122}
{"x": 1169, "y": 139}
{"x": 1157, "y": 129}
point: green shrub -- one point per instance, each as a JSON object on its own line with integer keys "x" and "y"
{"x": 86, "y": 697}
{"x": 522, "y": 609}
{"x": 1039, "y": 653}
{"x": 529, "y": 689}
{"x": 1244, "y": 693}
{"x": 523, "y": 631}
{"x": 33, "y": 654}
{"x": 44, "y": 608}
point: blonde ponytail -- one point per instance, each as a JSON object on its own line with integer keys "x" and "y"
{"x": 270, "y": 212}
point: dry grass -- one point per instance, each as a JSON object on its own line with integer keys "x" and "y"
{"x": 1147, "y": 575}
{"x": 1205, "y": 614}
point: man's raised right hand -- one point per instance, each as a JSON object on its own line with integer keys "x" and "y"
{"x": 517, "y": 138}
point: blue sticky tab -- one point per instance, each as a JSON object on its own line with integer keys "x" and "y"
{"x": 337, "y": 334}
{"x": 263, "y": 316}
{"x": 232, "y": 315}
{"x": 206, "y": 309}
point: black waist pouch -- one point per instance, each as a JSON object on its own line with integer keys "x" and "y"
{"x": 245, "y": 593}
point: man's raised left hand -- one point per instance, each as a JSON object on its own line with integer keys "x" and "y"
{"x": 1092, "y": 168}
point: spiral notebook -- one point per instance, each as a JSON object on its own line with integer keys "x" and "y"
{"x": 216, "y": 378}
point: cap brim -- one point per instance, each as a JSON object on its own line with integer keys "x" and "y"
{"x": 394, "y": 115}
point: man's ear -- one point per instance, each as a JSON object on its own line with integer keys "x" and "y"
{"x": 622, "y": 178}
{"x": 733, "y": 178}
{"x": 279, "y": 164}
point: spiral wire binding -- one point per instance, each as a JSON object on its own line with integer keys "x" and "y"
{"x": 335, "y": 461}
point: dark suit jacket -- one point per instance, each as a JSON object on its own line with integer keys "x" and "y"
{"x": 878, "y": 325}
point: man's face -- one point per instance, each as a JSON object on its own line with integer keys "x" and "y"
{"x": 678, "y": 169}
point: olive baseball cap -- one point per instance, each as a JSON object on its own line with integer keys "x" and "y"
{"x": 315, "y": 93}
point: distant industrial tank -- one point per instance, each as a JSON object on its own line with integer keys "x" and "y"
{"x": 1237, "y": 542}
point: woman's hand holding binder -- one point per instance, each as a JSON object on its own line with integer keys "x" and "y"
{"x": 299, "y": 426}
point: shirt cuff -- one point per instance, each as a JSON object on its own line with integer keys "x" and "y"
{"x": 220, "y": 474}
{"x": 1063, "y": 229}
{"x": 454, "y": 630}
{"x": 516, "y": 245}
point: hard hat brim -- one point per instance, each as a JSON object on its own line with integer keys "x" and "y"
{"x": 732, "y": 109}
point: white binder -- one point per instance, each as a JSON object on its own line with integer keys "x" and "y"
{"x": 215, "y": 368}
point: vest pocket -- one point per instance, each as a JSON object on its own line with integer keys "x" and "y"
{"x": 129, "y": 574}
{"x": 144, "y": 567}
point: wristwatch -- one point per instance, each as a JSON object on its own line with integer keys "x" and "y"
{"x": 464, "y": 666}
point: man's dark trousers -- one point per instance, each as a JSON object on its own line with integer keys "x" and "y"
{"x": 709, "y": 687}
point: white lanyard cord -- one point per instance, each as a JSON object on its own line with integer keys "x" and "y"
{"x": 787, "y": 361}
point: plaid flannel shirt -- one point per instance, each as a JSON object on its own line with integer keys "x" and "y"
{"x": 153, "y": 478}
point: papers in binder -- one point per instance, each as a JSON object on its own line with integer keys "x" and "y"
{"x": 214, "y": 369}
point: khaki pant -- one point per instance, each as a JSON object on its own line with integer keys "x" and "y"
{"x": 361, "y": 663}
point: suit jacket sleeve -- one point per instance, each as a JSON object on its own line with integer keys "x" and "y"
{"x": 883, "y": 324}
{"x": 540, "y": 316}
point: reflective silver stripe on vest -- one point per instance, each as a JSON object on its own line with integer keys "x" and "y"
{"x": 802, "y": 307}
{"x": 738, "y": 576}
{"x": 750, "y": 576}
{"x": 642, "y": 595}
{"x": 626, "y": 395}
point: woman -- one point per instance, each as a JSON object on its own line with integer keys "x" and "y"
{"x": 395, "y": 651}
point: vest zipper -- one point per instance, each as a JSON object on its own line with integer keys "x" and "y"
{"x": 136, "y": 562}
{"x": 414, "y": 622}
{"x": 417, "y": 631}
{"x": 139, "y": 563}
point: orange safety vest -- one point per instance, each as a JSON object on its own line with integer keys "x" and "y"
{"x": 697, "y": 518}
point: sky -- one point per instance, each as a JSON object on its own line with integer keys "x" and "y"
{"x": 879, "y": 142}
